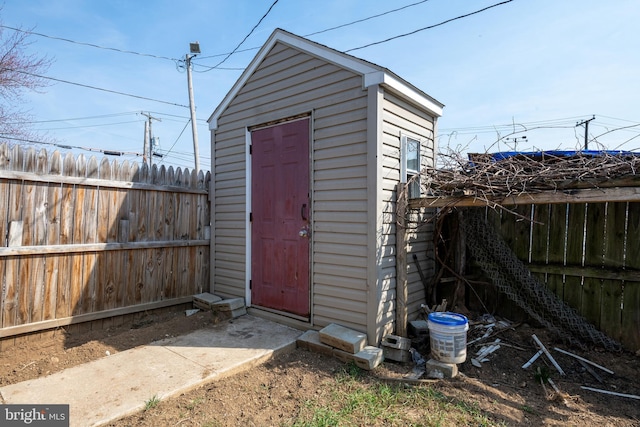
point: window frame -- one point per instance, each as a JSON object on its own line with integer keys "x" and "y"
{"x": 405, "y": 172}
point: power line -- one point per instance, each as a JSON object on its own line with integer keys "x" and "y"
{"x": 244, "y": 39}
{"x": 103, "y": 116}
{"x": 69, "y": 147}
{"x": 91, "y": 126}
{"x": 429, "y": 27}
{"x": 366, "y": 19}
{"x": 325, "y": 30}
{"x": 177, "y": 139}
{"x": 101, "y": 89}
{"x": 88, "y": 44}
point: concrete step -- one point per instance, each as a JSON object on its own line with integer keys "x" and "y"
{"x": 342, "y": 338}
{"x": 228, "y": 304}
{"x": 203, "y": 301}
{"x": 310, "y": 340}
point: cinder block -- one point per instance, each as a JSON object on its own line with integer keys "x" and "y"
{"x": 396, "y": 354}
{"x": 343, "y": 356}
{"x": 395, "y": 341}
{"x": 228, "y": 304}
{"x": 237, "y": 312}
{"x": 419, "y": 328}
{"x": 311, "y": 341}
{"x": 437, "y": 369}
{"x": 368, "y": 358}
{"x": 343, "y": 338}
{"x": 204, "y": 301}
{"x": 228, "y": 315}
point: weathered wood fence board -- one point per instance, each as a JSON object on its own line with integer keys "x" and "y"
{"x": 588, "y": 255}
{"x": 82, "y": 237}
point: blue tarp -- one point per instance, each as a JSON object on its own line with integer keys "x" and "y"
{"x": 559, "y": 153}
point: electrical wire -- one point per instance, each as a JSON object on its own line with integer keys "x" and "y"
{"x": 103, "y": 116}
{"x": 429, "y": 27}
{"x": 90, "y": 126}
{"x": 366, "y": 19}
{"x": 88, "y": 44}
{"x": 244, "y": 39}
{"x": 69, "y": 147}
{"x": 325, "y": 30}
{"x": 101, "y": 89}
{"x": 176, "y": 141}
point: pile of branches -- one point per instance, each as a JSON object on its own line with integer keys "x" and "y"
{"x": 481, "y": 175}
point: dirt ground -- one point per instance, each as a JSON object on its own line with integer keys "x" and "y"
{"x": 268, "y": 394}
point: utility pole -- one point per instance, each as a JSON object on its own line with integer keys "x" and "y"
{"x": 586, "y": 131}
{"x": 194, "y": 49}
{"x": 515, "y": 140}
{"x": 148, "y": 139}
{"x": 145, "y": 143}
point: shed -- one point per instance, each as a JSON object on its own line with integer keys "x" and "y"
{"x": 308, "y": 148}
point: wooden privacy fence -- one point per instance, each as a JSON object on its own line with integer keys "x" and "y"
{"x": 588, "y": 254}
{"x": 84, "y": 240}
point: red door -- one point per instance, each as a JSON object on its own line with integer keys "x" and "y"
{"x": 280, "y": 217}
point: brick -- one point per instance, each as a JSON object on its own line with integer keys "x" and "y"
{"x": 368, "y": 358}
{"x": 396, "y": 354}
{"x": 437, "y": 369}
{"x": 395, "y": 341}
{"x": 228, "y": 304}
{"x": 342, "y": 338}
{"x": 310, "y": 340}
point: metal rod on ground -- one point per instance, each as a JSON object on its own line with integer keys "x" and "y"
{"x": 553, "y": 385}
{"x": 533, "y": 359}
{"x": 591, "y": 371}
{"x": 546, "y": 352}
{"x": 613, "y": 393}
{"x": 584, "y": 360}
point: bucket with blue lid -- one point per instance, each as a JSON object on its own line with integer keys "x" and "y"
{"x": 448, "y": 336}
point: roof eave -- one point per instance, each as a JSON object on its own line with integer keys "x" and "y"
{"x": 372, "y": 74}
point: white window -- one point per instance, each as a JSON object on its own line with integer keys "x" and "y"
{"x": 410, "y": 164}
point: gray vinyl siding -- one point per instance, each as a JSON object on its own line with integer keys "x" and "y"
{"x": 400, "y": 117}
{"x": 288, "y": 83}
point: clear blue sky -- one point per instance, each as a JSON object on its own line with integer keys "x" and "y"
{"x": 533, "y": 67}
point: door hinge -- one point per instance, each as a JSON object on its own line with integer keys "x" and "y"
{"x": 250, "y": 284}
{"x": 250, "y": 148}
{"x": 250, "y": 216}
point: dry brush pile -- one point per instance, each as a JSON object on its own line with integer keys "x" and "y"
{"x": 481, "y": 175}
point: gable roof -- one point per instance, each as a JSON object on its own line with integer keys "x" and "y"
{"x": 372, "y": 74}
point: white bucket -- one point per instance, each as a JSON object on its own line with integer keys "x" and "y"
{"x": 448, "y": 336}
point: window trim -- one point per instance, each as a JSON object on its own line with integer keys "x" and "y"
{"x": 404, "y": 170}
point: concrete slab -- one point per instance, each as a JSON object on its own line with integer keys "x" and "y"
{"x": 204, "y": 300}
{"x": 437, "y": 369}
{"x": 343, "y": 356}
{"x": 342, "y": 338}
{"x": 310, "y": 340}
{"x": 118, "y": 385}
{"x": 228, "y": 304}
{"x": 368, "y": 358}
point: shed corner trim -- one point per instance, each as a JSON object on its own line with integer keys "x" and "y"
{"x": 394, "y": 83}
